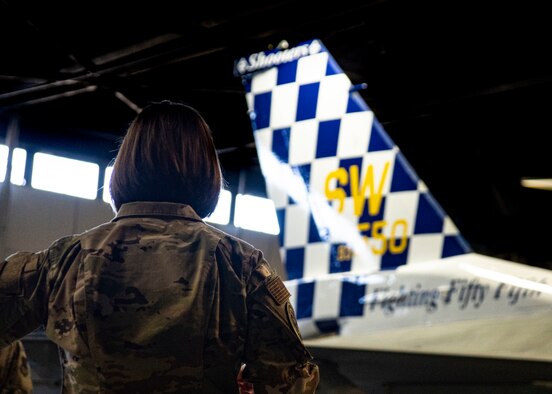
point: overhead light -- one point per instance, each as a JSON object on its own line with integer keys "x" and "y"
{"x": 537, "y": 183}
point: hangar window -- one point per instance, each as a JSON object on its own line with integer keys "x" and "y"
{"x": 255, "y": 213}
{"x": 106, "y": 195}
{"x": 66, "y": 176}
{"x": 221, "y": 215}
{"x": 18, "y": 165}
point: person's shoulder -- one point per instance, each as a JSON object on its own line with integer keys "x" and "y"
{"x": 95, "y": 234}
{"x": 62, "y": 244}
{"x": 231, "y": 243}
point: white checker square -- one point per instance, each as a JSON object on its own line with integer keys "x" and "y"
{"x": 292, "y": 287}
{"x": 425, "y": 247}
{"x": 354, "y": 134}
{"x": 302, "y": 142}
{"x": 307, "y": 327}
{"x": 449, "y": 227}
{"x": 277, "y": 192}
{"x": 422, "y": 187}
{"x": 283, "y": 106}
{"x": 341, "y": 228}
{"x": 320, "y": 169}
{"x": 264, "y": 81}
{"x": 296, "y": 226}
{"x": 333, "y": 97}
{"x": 263, "y": 138}
{"x": 263, "y": 142}
{"x": 317, "y": 259}
{"x": 327, "y": 297}
{"x": 364, "y": 260}
{"x": 311, "y": 68}
{"x": 400, "y": 213}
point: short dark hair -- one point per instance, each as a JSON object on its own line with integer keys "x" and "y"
{"x": 168, "y": 154}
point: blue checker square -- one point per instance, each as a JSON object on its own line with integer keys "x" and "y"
{"x": 379, "y": 140}
{"x": 306, "y": 101}
{"x": 295, "y": 258}
{"x": 356, "y": 103}
{"x": 352, "y": 298}
{"x": 281, "y": 216}
{"x": 390, "y": 260}
{"x": 327, "y": 325}
{"x": 261, "y": 107}
{"x": 247, "y": 84}
{"x": 305, "y": 297}
{"x": 404, "y": 178}
{"x": 287, "y": 72}
{"x": 429, "y": 217}
{"x": 314, "y": 233}
{"x": 346, "y": 164}
{"x": 328, "y": 134}
{"x": 333, "y": 68}
{"x": 454, "y": 245}
{"x": 280, "y": 144}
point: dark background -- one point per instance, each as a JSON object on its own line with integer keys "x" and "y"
{"x": 463, "y": 87}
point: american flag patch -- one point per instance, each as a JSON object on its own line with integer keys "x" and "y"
{"x": 277, "y": 290}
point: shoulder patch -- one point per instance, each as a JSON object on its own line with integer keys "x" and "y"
{"x": 277, "y": 289}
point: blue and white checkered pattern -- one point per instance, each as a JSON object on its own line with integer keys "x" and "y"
{"x": 346, "y": 198}
{"x": 320, "y": 304}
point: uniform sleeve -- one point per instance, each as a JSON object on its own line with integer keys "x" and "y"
{"x": 275, "y": 357}
{"x": 22, "y": 298}
{"x": 15, "y": 375}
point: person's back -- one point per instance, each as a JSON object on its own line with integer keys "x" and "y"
{"x": 156, "y": 300}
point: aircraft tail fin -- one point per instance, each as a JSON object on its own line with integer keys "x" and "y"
{"x": 347, "y": 200}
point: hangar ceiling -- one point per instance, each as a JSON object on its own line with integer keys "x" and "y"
{"x": 463, "y": 87}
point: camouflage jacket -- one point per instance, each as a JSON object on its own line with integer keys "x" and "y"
{"x": 157, "y": 301}
{"x": 15, "y": 375}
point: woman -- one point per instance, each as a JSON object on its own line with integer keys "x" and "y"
{"x": 156, "y": 300}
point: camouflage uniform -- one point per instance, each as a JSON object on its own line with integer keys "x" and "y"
{"x": 15, "y": 375}
{"x": 157, "y": 301}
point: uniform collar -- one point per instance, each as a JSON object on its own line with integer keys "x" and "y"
{"x": 154, "y": 208}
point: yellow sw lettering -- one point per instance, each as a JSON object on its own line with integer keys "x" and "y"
{"x": 337, "y": 194}
{"x": 374, "y": 203}
{"x": 358, "y": 190}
